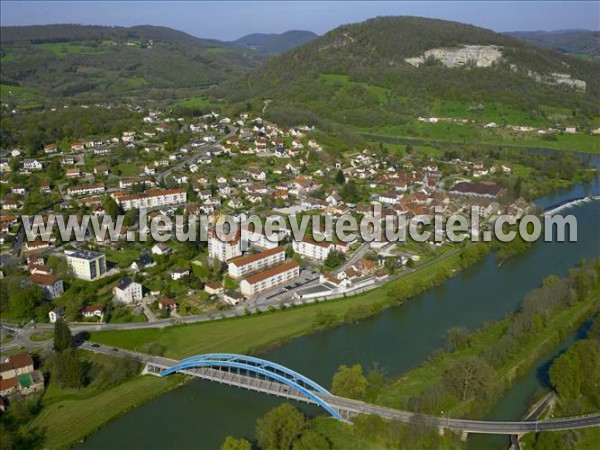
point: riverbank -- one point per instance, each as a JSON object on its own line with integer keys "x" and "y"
{"x": 560, "y": 323}
{"x": 70, "y": 419}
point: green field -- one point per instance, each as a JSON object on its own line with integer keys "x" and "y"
{"x": 70, "y": 417}
{"x": 129, "y": 169}
{"x": 253, "y": 333}
{"x": 24, "y": 97}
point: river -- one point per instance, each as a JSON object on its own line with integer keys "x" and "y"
{"x": 200, "y": 414}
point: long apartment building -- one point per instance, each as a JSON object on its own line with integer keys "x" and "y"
{"x": 256, "y": 239}
{"x": 245, "y": 265}
{"x": 152, "y": 198}
{"x": 86, "y": 265}
{"x": 313, "y": 249}
{"x": 270, "y": 278}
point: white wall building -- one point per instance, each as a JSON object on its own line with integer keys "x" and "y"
{"x": 128, "y": 291}
{"x": 270, "y": 278}
{"x": 152, "y": 198}
{"x": 313, "y": 249}
{"x": 245, "y": 265}
{"x": 86, "y": 265}
{"x": 223, "y": 250}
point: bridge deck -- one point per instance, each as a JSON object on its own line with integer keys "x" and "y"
{"x": 347, "y": 407}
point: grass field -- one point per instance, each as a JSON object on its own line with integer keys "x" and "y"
{"x": 24, "y": 97}
{"x": 129, "y": 169}
{"x": 61, "y": 49}
{"x": 70, "y": 417}
{"x": 249, "y": 334}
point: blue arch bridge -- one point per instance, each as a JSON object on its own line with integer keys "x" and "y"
{"x": 267, "y": 377}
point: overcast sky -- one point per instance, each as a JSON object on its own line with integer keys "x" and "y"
{"x": 232, "y": 19}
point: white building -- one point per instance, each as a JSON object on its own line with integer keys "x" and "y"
{"x": 178, "y": 274}
{"x": 88, "y": 189}
{"x": 312, "y": 249}
{"x": 86, "y": 265}
{"x": 128, "y": 291}
{"x": 50, "y": 284}
{"x": 56, "y": 314}
{"x": 245, "y": 265}
{"x": 152, "y": 198}
{"x": 223, "y": 250}
{"x": 261, "y": 240}
{"x": 270, "y": 278}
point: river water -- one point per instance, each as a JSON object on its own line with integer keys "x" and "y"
{"x": 200, "y": 414}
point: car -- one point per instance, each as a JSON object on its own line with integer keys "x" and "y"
{"x": 114, "y": 349}
{"x": 95, "y": 345}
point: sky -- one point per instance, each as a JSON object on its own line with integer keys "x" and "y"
{"x": 228, "y": 20}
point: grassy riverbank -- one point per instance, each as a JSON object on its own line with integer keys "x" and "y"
{"x": 251, "y": 334}
{"x": 68, "y": 417}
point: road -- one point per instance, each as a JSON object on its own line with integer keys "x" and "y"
{"x": 358, "y": 407}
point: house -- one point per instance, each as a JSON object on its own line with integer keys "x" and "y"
{"x": 17, "y": 374}
{"x": 32, "y": 164}
{"x": 86, "y": 189}
{"x": 77, "y": 146}
{"x": 178, "y": 274}
{"x": 37, "y": 245}
{"x": 150, "y": 169}
{"x": 142, "y": 262}
{"x": 490, "y": 190}
{"x": 312, "y": 249}
{"x": 45, "y": 187}
{"x": 270, "y": 278}
{"x": 233, "y": 298}
{"x": 57, "y": 313}
{"x": 244, "y": 265}
{"x": 102, "y": 150}
{"x": 128, "y": 291}
{"x": 213, "y": 288}
{"x": 73, "y": 173}
{"x": 93, "y": 311}
{"x": 257, "y": 174}
{"x": 101, "y": 170}
{"x": 50, "y": 148}
{"x": 167, "y": 304}
{"x": 51, "y": 285}
{"x": 161, "y": 249}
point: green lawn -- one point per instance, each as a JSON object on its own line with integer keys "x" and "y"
{"x": 68, "y": 418}
{"x": 24, "y": 97}
{"x": 129, "y": 169}
{"x": 248, "y": 334}
{"x": 61, "y": 49}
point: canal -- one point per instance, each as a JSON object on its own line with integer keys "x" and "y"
{"x": 200, "y": 414}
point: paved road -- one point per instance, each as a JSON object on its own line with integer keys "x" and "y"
{"x": 359, "y": 407}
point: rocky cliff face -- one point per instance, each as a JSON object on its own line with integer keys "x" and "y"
{"x": 480, "y": 55}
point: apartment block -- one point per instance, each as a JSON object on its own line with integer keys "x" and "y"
{"x": 244, "y": 265}
{"x": 270, "y": 278}
{"x": 86, "y": 265}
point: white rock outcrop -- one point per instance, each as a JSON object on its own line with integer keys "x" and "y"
{"x": 480, "y": 55}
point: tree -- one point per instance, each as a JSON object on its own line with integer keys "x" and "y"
{"x": 518, "y": 189}
{"x": 236, "y": 444}
{"x": 70, "y": 370}
{"x": 112, "y": 208}
{"x": 312, "y": 440}
{"x": 456, "y": 338}
{"x": 469, "y": 377}
{"x": 549, "y": 440}
{"x": 350, "y": 382}
{"x": 565, "y": 375}
{"x": 63, "y": 339}
{"x": 339, "y": 177}
{"x": 588, "y": 352}
{"x": 24, "y": 301}
{"x": 334, "y": 259}
{"x": 280, "y": 427}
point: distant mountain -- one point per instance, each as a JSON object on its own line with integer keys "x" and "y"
{"x": 388, "y": 71}
{"x": 274, "y": 43}
{"x": 583, "y": 43}
{"x": 110, "y": 63}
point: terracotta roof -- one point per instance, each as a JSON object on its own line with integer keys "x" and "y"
{"x": 90, "y": 309}
{"x": 21, "y": 360}
{"x": 46, "y": 280}
{"x": 241, "y": 260}
{"x": 253, "y": 279}
{"x": 8, "y": 383}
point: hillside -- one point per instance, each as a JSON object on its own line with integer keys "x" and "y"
{"x": 41, "y": 63}
{"x": 388, "y": 71}
{"x": 274, "y": 43}
{"x": 582, "y": 43}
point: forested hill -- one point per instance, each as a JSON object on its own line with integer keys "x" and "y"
{"x": 389, "y": 70}
{"x": 274, "y": 43}
{"x": 113, "y": 63}
{"x": 582, "y": 43}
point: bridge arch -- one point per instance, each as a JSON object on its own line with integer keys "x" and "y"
{"x": 273, "y": 371}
